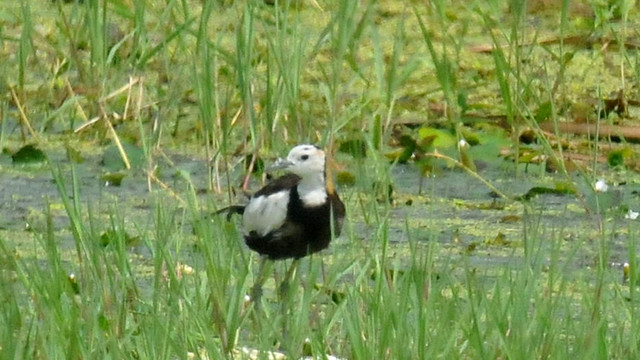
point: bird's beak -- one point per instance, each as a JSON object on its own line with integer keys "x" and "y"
{"x": 279, "y": 165}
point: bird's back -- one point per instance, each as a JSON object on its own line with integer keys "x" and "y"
{"x": 279, "y": 225}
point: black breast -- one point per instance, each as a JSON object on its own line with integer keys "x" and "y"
{"x": 306, "y": 230}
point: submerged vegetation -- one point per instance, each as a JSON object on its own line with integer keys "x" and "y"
{"x": 486, "y": 152}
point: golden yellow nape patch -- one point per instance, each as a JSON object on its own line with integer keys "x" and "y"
{"x": 331, "y": 165}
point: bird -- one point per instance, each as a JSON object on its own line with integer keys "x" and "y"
{"x": 293, "y": 216}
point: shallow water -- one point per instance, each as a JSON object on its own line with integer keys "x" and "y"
{"x": 453, "y": 209}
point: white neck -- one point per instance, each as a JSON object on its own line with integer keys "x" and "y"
{"x": 312, "y": 190}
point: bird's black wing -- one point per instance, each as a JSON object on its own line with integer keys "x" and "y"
{"x": 284, "y": 182}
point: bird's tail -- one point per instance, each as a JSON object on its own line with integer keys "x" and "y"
{"x": 230, "y": 210}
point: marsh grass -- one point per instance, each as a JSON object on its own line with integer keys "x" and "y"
{"x": 264, "y": 77}
{"x": 362, "y": 300}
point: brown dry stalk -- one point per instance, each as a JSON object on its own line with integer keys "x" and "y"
{"x": 151, "y": 175}
{"x": 72, "y": 93}
{"x": 462, "y": 166}
{"x": 116, "y": 138}
{"x": 602, "y": 130}
{"x": 23, "y": 115}
{"x": 575, "y": 40}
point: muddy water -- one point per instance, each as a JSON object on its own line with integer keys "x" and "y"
{"x": 466, "y": 220}
{"x": 453, "y": 209}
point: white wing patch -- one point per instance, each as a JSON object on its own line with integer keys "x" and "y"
{"x": 264, "y": 214}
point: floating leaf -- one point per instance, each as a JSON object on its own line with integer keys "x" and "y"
{"x": 615, "y": 158}
{"x": 426, "y": 143}
{"x": 539, "y": 190}
{"x": 618, "y": 157}
{"x": 74, "y": 155}
{"x": 110, "y": 236}
{"x": 112, "y": 158}
{"x": 568, "y": 187}
{"x": 469, "y": 136}
{"x": 443, "y": 139}
{"x": 544, "y": 111}
{"x": 409, "y": 145}
{"x": 28, "y": 154}
{"x": 499, "y": 240}
{"x": 404, "y": 152}
{"x": 532, "y": 156}
{"x": 113, "y": 178}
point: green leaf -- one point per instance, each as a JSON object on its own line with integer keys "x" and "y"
{"x": 28, "y": 154}
{"x": 112, "y": 159}
{"x": 114, "y": 178}
{"x": 618, "y": 157}
{"x": 74, "y": 155}
{"x": 443, "y": 139}
{"x": 543, "y": 112}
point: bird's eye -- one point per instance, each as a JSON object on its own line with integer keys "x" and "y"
{"x": 304, "y": 157}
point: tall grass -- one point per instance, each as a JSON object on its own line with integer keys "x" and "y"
{"x": 370, "y": 298}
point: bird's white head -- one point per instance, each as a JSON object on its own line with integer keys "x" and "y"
{"x": 304, "y": 161}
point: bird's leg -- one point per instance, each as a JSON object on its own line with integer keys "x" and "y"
{"x": 285, "y": 296}
{"x": 284, "y": 286}
{"x": 256, "y": 289}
